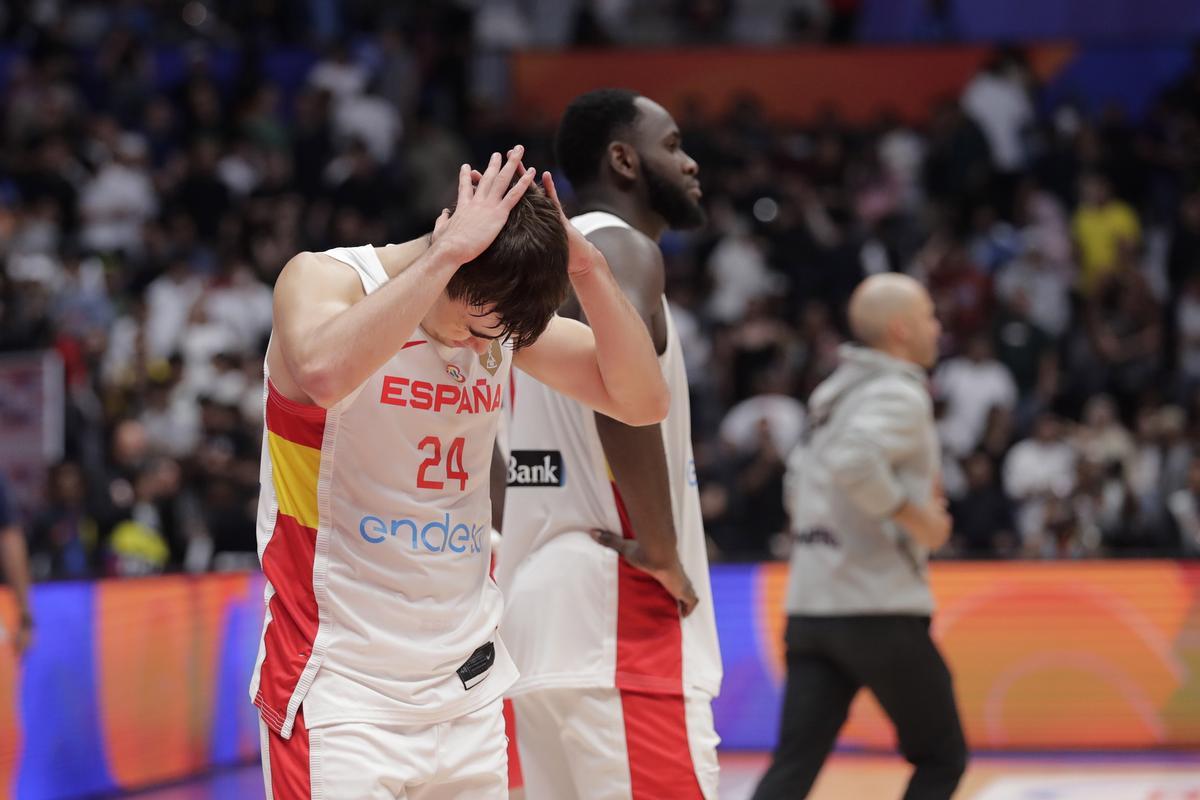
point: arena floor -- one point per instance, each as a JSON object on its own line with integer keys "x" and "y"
{"x": 851, "y": 777}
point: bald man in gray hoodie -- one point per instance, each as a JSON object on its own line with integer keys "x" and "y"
{"x": 866, "y": 505}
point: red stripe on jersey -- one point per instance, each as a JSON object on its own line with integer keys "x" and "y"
{"x": 649, "y": 633}
{"x": 516, "y": 780}
{"x": 413, "y": 343}
{"x": 288, "y": 763}
{"x": 660, "y": 761}
{"x": 288, "y": 564}
{"x": 296, "y": 422}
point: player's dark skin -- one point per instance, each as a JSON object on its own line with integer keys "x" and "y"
{"x": 635, "y": 454}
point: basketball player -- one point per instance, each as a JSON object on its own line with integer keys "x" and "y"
{"x": 867, "y": 509}
{"x": 617, "y": 645}
{"x": 380, "y": 674}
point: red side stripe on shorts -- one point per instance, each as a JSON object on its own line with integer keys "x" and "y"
{"x": 649, "y": 632}
{"x": 288, "y": 763}
{"x": 660, "y": 761}
{"x": 516, "y": 780}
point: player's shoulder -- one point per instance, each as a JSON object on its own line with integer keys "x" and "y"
{"x": 626, "y": 240}
{"x": 633, "y": 257}
{"x": 319, "y": 272}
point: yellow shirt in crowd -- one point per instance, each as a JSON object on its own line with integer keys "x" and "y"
{"x": 1099, "y": 232}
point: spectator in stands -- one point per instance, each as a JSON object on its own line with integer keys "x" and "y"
{"x": 1184, "y": 505}
{"x": 66, "y": 534}
{"x": 1101, "y": 439}
{"x": 1187, "y": 336}
{"x": 983, "y": 515}
{"x": 1125, "y": 332}
{"x": 1183, "y": 258}
{"x": 1039, "y": 476}
{"x": 997, "y": 99}
{"x": 1103, "y": 225}
{"x": 961, "y": 291}
{"x": 969, "y": 386}
{"x": 959, "y": 164}
{"x": 1028, "y": 353}
{"x": 119, "y": 200}
{"x": 1176, "y": 448}
{"x": 1043, "y": 284}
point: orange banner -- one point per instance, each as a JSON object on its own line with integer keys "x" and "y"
{"x": 793, "y": 84}
{"x": 1069, "y": 655}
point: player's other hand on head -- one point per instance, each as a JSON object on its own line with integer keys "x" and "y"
{"x": 582, "y": 254}
{"x": 672, "y": 575}
{"x": 482, "y": 207}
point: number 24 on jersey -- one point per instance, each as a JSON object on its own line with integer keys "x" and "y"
{"x": 451, "y": 468}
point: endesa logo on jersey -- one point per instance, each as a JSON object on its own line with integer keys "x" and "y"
{"x": 536, "y": 468}
{"x": 480, "y": 397}
{"x": 439, "y": 536}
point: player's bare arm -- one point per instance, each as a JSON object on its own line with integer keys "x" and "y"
{"x": 329, "y": 337}
{"x": 611, "y": 366}
{"x": 635, "y": 454}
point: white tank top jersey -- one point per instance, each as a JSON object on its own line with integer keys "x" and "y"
{"x": 373, "y": 534}
{"x": 577, "y": 615}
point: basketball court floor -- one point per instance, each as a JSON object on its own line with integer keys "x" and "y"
{"x": 871, "y": 777}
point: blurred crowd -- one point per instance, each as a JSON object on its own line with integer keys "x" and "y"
{"x": 145, "y": 212}
{"x": 1063, "y": 256}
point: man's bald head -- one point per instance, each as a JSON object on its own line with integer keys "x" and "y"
{"x": 893, "y": 313}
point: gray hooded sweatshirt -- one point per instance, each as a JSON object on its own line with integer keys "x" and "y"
{"x": 871, "y": 446}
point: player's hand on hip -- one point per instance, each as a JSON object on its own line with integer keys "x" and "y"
{"x": 482, "y": 207}
{"x": 672, "y": 576}
{"x": 583, "y": 256}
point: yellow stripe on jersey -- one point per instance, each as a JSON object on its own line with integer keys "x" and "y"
{"x": 294, "y": 471}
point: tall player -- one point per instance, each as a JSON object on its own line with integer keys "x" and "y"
{"x": 617, "y": 645}
{"x": 380, "y": 673}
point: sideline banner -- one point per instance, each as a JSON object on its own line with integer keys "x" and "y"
{"x": 1080, "y": 655}
{"x": 129, "y": 683}
{"x": 143, "y": 681}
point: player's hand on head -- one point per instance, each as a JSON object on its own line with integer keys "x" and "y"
{"x": 583, "y": 255}
{"x": 672, "y": 577}
{"x": 482, "y": 207}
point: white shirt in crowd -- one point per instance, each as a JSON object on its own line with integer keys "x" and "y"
{"x": 1001, "y": 108}
{"x": 115, "y": 204}
{"x": 371, "y": 120}
{"x": 784, "y": 416}
{"x": 339, "y": 78}
{"x": 1185, "y": 510}
{"x": 1047, "y": 288}
{"x": 169, "y": 302}
{"x": 1033, "y": 470}
{"x": 740, "y": 274}
{"x": 970, "y": 390}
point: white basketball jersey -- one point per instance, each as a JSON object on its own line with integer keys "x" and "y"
{"x": 373, "y": 533}
{"x": 577, "y": 615}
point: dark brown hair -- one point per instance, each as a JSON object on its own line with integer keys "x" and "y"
{"x": 522, "y": 275}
